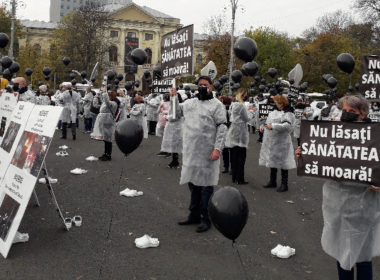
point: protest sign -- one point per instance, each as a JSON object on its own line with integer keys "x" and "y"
{"x": 340, "y": 151}
{"x": 374, "y": 116}
{"x": 370, "y": 77}
{"x": 23, "y": 171}
{"x": 298, "y": 113}
{"x": 161, "y": 86}
{"x": 264, "y": 110}
{"x": 7, "y": 103}
{"x": 177, "y": 49}
{"x": 13, "y": 134}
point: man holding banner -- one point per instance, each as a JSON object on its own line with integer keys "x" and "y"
{"x": 351, "y": 206}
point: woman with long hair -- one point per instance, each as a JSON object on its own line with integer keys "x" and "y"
{"x": 277, "y": 147}
{"x": 238, "y": 136}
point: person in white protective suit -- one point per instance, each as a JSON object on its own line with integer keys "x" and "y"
{"x": 70, "y": 100}
{"x": 152, "y": 104}
{"x": 298, "y": 113}
{"x": 138, "y": 113}
{"x": 24, "y": 94}
{"x": 237, "y": 138}
{"x": 204, "y": 133}
{"x": 277, "y": 148}
{"x": 43, "y": 98}
{"x": 87, "y": 117}
{"x": 308, "y": 112}
{"x": 351, "y": 212}
{"x": 172, "y": 139}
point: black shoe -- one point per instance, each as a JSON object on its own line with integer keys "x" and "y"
{"x": 105, "y": 157}
{"x": 189, "y": 222}
{"x": 225, "y": 170}
{"x": 161, "y": 154}
{"x": 173, "y": 165}
{"x": 270, "y": 185}
{"x": 203, "y": 227}
{"x": 282, "y": 188}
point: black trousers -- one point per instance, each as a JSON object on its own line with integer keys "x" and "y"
{"x": 364, "y": 272}
{"x": 199, "y": 199}
{"x": 152, "y": 127}
{"x": 226, "y": 158}
{"x": 238, "y": 157}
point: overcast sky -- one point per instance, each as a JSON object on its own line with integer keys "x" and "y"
{"x": 291, "y": 16}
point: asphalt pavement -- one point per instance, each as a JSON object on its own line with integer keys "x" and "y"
{"x": 103, "y": 247}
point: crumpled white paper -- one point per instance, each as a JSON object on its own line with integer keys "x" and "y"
{"x": 283, "y": 252}
{"x": 78, "y": 171}
{"x": 51, "y": 180}
{"x": 21, "y": 237}
{"x": 64, "y": 147}
{"x": 131, "y": 193}
{"x": 62, "y": 154}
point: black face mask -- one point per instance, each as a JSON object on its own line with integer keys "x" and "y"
{"x": 349, "y": 117}
{"x": 307, "y": 105}
{"x": 16, "y": 87}
{"x": 203, "y": 93}
{"x": 22, "y": 90}
{"x": 300, "y": 106}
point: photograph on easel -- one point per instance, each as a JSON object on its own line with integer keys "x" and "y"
{"x": 2, "y": 126}
{"x": 10, "y": 136}
{"x": 8, "y": 211}
{"x": 30, "y": 152}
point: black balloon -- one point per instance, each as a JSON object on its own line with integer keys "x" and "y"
{"x": 7, "y": 74}
{"x": 346, "y": 62}
{"x": 261, "y": 88}
{"x": 83, "y": 74}
{"x": 245, "y": 49}
{"x": 116, "y": 81}
{"x": 46, "y": 71}
{"x": 326, "y": 77}
{"x": 350, "y": 88}
{"x": 66, "y": 61}
{"x": 137, "y": 84}
{"x": 291, "y": 81}
{"x": 72, "y": 75}
{"x": 84, "y": 82}
{"x": 257, "y": 78}
{"x": 128, "y": 135}
{"x": 332, "y": 82}
{"x": 250, "y": 68}
{"x": 15, "y": 67}
{"x": 93, "y": 80}
{"x": 28, "y": 71}
{"x": 120, "y": 77}
{"x": 228, "y": 210}
{"x": 304, "y": 86}
{"x": 253, "y": 84}
{"x": 139, "y": 56}
{"x": 4, "y": 39}
{"x": 128, "y": 85}
{"x": 217, "y": 85}
{"x": 6, "y": 62}
{"x": 110, "y": 75}
{"x": 157, "y": 72}
{"x": 146, "y": 74}
{"x": 236, "y": 76}
{"x": 263, "y": 81}
{"x": 73, "y": 82}
{"x": 187, "y": 88}
{"x": 236, "y": 86}
{"x": 47, "y": 78}
{"x": 272, "y": 72}
{"x": 223, "y": 79}
{"x": 181, "y": 86}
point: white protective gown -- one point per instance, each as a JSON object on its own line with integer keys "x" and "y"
{"x": 204, "y": 130}
{"x": 237, "y": 135}
{"x": 28, "y": 96}
{"x": 138, "y": 113}
{"x": 43, "y": 100}
{"x": 277, "y": 147}
{"x": 151, "y": 108}
{"x": 105, "y": 118}
{"x": 172, "y": 139}
{"x": 70, "y": 106}
{"x": 351, "y": 213}
{"x": 87, "y": 101}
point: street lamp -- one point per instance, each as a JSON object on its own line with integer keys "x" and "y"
{"x": 234, "y": 6}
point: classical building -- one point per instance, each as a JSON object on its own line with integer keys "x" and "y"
{"x": 133, "y": 26}
{"x": 60, "y": 8}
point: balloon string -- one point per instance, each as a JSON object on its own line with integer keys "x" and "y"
{"x": 240, "y": 259}
{"x": 351, "y": 79}
{"x": 121, "y": 175}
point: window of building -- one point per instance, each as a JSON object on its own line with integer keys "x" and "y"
{"x": 199, "y": 60}
{"x": 148, "y": 36}
{"x": 149, "y": 56}
{"x": 114, "y": 34}
{"x": 131, "y": 34}
{"x": 113, "y": 54}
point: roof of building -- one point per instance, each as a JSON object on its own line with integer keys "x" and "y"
{"x": 114, "y": 7}
{"x": 38, "y": 24}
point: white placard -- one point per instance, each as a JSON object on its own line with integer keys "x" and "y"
{"x": 7, "y": 103}
{"x": 23, "y": 171}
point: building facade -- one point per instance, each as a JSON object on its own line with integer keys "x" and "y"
{"x": 60, "y": 8}
{"x": 133, "y": 26}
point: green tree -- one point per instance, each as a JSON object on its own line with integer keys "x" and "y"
{"x": 5, "y": 27}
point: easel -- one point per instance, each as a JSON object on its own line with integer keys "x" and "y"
{"x": 52, "y": 194}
